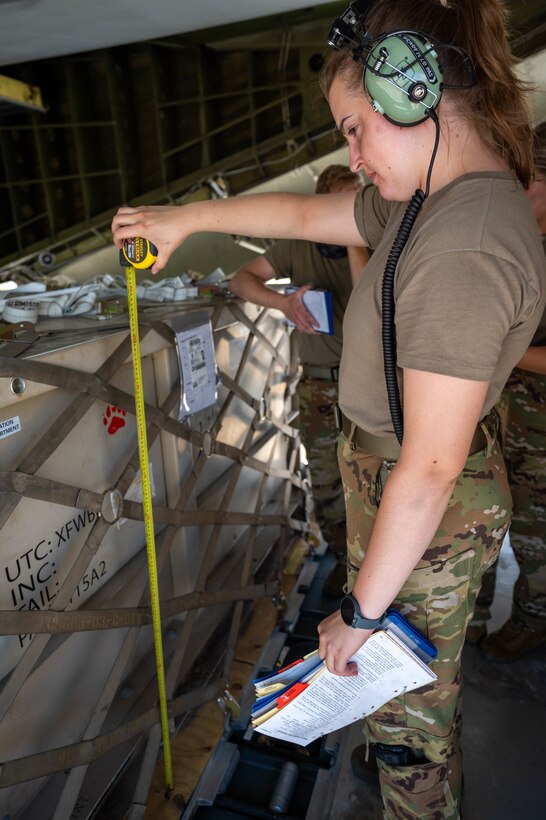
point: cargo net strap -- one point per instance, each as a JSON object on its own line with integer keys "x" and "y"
{"x": 249, "y": 571}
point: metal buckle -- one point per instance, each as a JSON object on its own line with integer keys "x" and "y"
{"x": 227, "y": 703}
{"x": 208, "y": 443}
{"x": 280, "y": 603}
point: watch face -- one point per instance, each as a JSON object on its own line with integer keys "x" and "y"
{"x": 347, "y": 610}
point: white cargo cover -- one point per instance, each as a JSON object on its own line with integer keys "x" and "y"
{"x": 225, "y": 481}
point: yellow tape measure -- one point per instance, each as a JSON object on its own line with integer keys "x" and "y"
{"x": 147, "y": 498}
{"x": 137, "y": 253}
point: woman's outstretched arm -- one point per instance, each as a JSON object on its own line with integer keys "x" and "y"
{"x": 327, "y": 218}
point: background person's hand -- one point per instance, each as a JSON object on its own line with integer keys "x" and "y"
{"x": 295, "y": 310}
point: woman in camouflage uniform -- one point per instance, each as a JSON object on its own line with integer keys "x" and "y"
{"x": 423, "y": 522}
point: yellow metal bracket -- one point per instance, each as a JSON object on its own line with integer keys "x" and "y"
{"x": 15, "y": 95}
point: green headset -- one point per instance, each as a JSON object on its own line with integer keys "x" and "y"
{"x": 403, "y": 70}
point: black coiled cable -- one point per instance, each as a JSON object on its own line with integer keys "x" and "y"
{"x": 388, "y": 331}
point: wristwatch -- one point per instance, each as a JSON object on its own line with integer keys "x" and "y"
{"x": 352, "y": 615}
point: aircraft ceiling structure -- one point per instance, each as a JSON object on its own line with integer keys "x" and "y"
{"x": 150, "y": 102}
{"x": 38, "y": 29}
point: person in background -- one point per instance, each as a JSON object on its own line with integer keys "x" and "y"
{"x": 334, "y": 268}
{"x": 523, "y": 410}
{"x": 426, "y": 517}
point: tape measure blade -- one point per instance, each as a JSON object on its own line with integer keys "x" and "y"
{"x": 148, "y": 517}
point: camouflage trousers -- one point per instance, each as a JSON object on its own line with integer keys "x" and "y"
{"x": 438, "y": 598}
{"x": 319, "y": 433}
{"x": 524, "y": 444}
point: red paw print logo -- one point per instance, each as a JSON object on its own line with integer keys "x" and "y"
{"x": 114, "y": 419}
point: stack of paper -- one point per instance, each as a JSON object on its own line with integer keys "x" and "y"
{"x": 304, "y": 701}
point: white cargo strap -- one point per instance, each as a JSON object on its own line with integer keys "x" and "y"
{"x": 166, "y": 290}
{"x": 20, "y": 310}
{"x": 79, "y": 300}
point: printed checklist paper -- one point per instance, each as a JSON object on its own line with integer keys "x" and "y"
{"x": 304, "y": 701}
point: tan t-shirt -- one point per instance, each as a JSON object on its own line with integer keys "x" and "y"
{"x": 469, "y": 292}
{"x": 304, "y": 262}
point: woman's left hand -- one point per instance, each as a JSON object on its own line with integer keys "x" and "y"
{"x": 339, "y": 642}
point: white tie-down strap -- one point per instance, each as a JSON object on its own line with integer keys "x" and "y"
{"x": 82, "y": 299}
{"x": 166, "y": 290}
{"x": 53, "y": 304}
{"x": 69, "y": 301}
{"x": 20, "y": 310}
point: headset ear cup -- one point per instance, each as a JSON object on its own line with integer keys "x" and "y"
{"x": 403, "y": 78}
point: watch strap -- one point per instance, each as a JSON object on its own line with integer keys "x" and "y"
{"x": 359, "y": 620}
